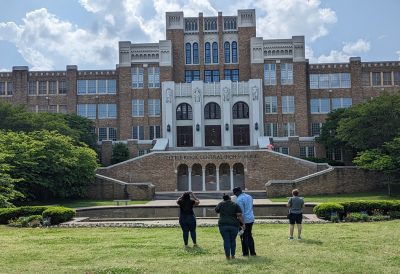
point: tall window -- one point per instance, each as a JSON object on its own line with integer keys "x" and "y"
{"x": 155, "y": 132}
{"x": 107, "y": 111}
{"x": 227, "y": 52}
{"x": 184, "y": 112}
{"x": 271, "y": 129}
{"x": 32, "y": 88}
{"x": 320, "y": 105}
{"x": 211, "y": 76}
{"x": 387, "y": 78}
{"x": 2, "y": 88}
{"x": 269, "y": 74}
{"x": 107, "y": 133}
{"x": 396, "y": 78}
{"x": 188, "y": 51}
{"x": 307, "y": 151}
{"x": 207, "y": 53}
{"x": 102, "y": 86}
{"x": 271, "y": 104}
{"x": 42, "y": 87}
{"x": 215, "y": 52}
{"x": 154, "y": 107}
{"x": 212, "y": 111}
{"x": 138, "y": 132}
{"x": 287, "y": 104}
{"x": 195, "y": 53}
{"x": 240, "y": 110}
{"x": 137, "y": 108}
{"x": 286, "y": 74}
{"x": 91, "y": 86}
{"x": 137, "y": 77}
{"x": 341, "y": 103}
{"x": 231, "y": 74}
{"x": 289, "y": 129}
{"x": 86, "y": 110}
{"x": 192, "y": 75}
{"x": 234, "y": 52}
{"x": 52, "y": 87}
{"x": 153, "y": 77}
{"x": 316, "y": 129}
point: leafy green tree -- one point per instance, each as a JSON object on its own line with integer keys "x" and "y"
{"x": 48, "y": 164}
{"x": 7, "y": 184}
{"x": 120, "y": 153}
{"x": 328, "y": 136}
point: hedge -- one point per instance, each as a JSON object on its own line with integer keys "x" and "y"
{"x": 325, "y": 210}
{"x": 58, "y": 215}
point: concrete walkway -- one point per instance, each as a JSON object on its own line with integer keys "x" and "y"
{"x": 203, "y": 202}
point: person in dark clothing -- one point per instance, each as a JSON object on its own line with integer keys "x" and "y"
{"x": 230, "y": 218}
{"x": 187, "y": 219}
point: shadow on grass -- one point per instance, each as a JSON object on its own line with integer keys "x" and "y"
{"x": 311, "y": 242}
{"x": 252, "y": 260}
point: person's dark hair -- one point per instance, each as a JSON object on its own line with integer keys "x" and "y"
{"x": 226, "y": 197}
{"x": 295, "y": 192}
{"x": 186, "y": 196}
{"x": 237, "y": 190}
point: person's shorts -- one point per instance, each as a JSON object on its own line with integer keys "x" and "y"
{"x": 295, "y": 218}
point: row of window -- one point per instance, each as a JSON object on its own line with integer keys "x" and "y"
{"x": 6, "y": 88}
{"x": 330, "y": 80}
{"x": 106, "y": 111}
{"x": 210, "y": 24}
{"x": 271, "y": 104}
{"x": 96, "y": 87}
{"x": 387, "y": 78}
{"x": 286, "y": 74}
{"x": 240, "y": 110}
{"x": 323, "y": 105}
{"x": 47, "y": 87}
{"x": 211, "y": 53}
{"x": 211, "y": 75}
{"x": 153, "y": 77}
{"x": 271, "y": 129}
{"x": 48, "y": 108}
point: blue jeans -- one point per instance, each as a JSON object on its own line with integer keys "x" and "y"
{"x": 229, "y": 234}
{"x": 188, "y": 224}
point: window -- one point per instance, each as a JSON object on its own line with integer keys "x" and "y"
{"x": 153, "y": 77}
{"x": 387, "y": 78}
{"x": 334, "y": 154}
{"x": 376, "y": 79}
{"x": 32, "y": 88}
{"x": 10, "y": 88}
{"x": 289, "y": 129}
{"x": 231, "y": 74}
{"x": 42, "y": 87}
{"x": 316, "y": 129}
{"x": 102, "y": 86}
{"x": 2, "y": 88}
{"x": 396, "y": 78}
{"x": 215, "y": 52}
{"x": 210, "y": 23}
{"x": 287, "y": 74}
{"x": 345, "y": 80}
{"x": 195, "y": 53}
{"x": 229, "y": 23}
{"x": 271, "y": 104}
{"x": 283, "y": 150}
{"x": 154, "y": 107}
{"x": 269, "y": 74}
{"x": 323, "y": 81}
{"x": 271, "y": 129}
{"x": 188, "y": 51}
{"x": 87, "y": 110}
{"x": 137, "y": 77}
{"x": 240, "y": 110}
{"x": 137, "y": 108}
{"x": 107, "y": 133}
{"x": 107, "y": 111}
{"x": 234, "y": 52}
{"x": 184, "y": 112}
{"x": 190, "y": 24}
{"x": 306, "y": 151}
{"x": 212, "y": 111}
{"x": 138, "y": 132}
{"x": 320, "y": 105}
{"x": 341, "y": 103}
{"x": 62, "y": 109}
{"x": 192, "y": 75}
{"x": 211, "y": 76}
{"x": 52, "y": 87}
{"x": 207, "y": 53}
{"x": 53, "y": 108}
{"x": 155, "y": 132}
{"x": 332, "y": 80}
{"x": 81, "y": 86}
{"x": 287, "y": 104}
{"x": 91, "y": 86}
{"x": 227, "y": 52}
{"x": 314, "y": 79}
{"x": 365, "y": 79}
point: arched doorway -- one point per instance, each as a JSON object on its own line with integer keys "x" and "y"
{"x": 211, "y": 177}
{"x": 224, "y": 177}
{"x": 197, "y": 178}
{"x": 238, "y": 175}
{"x": 183, "y": 178}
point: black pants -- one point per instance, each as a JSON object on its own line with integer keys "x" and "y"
{"x": 248, "y": 241}
{"x": 188, "y": 224}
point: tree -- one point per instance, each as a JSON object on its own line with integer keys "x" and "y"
{"x": 120, "y": 153}
{"x": 7, "y": 184}
{"x": 328, "y": 136}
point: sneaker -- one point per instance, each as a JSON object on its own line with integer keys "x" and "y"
{"x": 299, "y": 238}
{"x": 290, "y": 238}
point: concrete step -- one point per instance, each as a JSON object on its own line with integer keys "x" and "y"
{"x": 206, "y": 194}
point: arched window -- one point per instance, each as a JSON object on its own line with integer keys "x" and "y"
{"x": 212, "y": 111}
{"x": 240, "y": 110}
{"x": 188, "y": 50}
{"x": 227, "y": 52}
{"x": 215, "y": 52}
{"x": 234, "y": 52}
{"x": 195, "y": 53}
{"x": 207, "y": 53}
{"x": 184, "y": 112}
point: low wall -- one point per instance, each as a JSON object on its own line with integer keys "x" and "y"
{"x": 111, "y": 189}
{"x": 336, "y": 180}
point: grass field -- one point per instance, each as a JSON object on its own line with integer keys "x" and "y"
{"x": 343, "y": 197}
{"x": 84, "y": 203}
{"x": 325, "y": 248}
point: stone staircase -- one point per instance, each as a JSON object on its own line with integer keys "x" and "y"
{"x": 256, "y": 194}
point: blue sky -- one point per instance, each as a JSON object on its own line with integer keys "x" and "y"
{"x": 49, "y": 34}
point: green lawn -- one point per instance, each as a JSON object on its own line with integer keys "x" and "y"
{"x": 84, "y": 203}
{"x": 343, "y": 197}
{"x": 325, "y": 248}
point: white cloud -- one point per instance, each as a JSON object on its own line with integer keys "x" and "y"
{"x": 4, "y": 70}
{"x": 349, "y": 49}
{"x": 360, "y": 46}
{"x": 398, "y": 53}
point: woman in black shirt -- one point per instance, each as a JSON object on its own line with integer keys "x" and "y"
{"x": 187, "y": 219}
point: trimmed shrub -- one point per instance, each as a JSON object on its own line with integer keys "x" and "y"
{"x": 394, "y": 214}
{"x": 7, "y": 214}
{"x": 29, "y": 221}
{"x": 58, "y": 215}
{"x": 378, "y": 218}
{"x": 356, "y": 217}
{"x": 370, "y": 206}
{"x": 325, "y": 210}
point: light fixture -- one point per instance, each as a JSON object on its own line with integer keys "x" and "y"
{"x": 168, "y": 128}
{"x": 197, "y": 127}
{"x": 256, "y": 126}
{"x": 226, "y": 126}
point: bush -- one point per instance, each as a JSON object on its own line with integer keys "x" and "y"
{"x": 325, "y": 210}
{"x": 370, "y": 206}
{"x": 58, "y": 215}
{"x": 29, "y": 221}
{"x": 394, "y": 214}
{"x": 377, "y": 218}
{"x": 356, "y": 217}
{"x": 7, "y": 214}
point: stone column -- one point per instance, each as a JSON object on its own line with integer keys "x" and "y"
{"x": 204, "y": 178}
{"x": 217, "y": 174}
{"x": 231, "y": 177}
{"x": 190, "y": 179}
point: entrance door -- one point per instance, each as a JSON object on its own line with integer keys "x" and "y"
{"x": 213, "y": 135}
{"x": 184, "y": 136}
{"x": 241, "y": 135}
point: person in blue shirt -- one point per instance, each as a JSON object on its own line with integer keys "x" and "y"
{"x": 245, "y": 202}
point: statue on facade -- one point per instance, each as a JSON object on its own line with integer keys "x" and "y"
{"x": 197, "y": 95}
{"x": 225, "y": 94}
{"x": 254, "y": 93}
{"x": 169, "y": 96}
